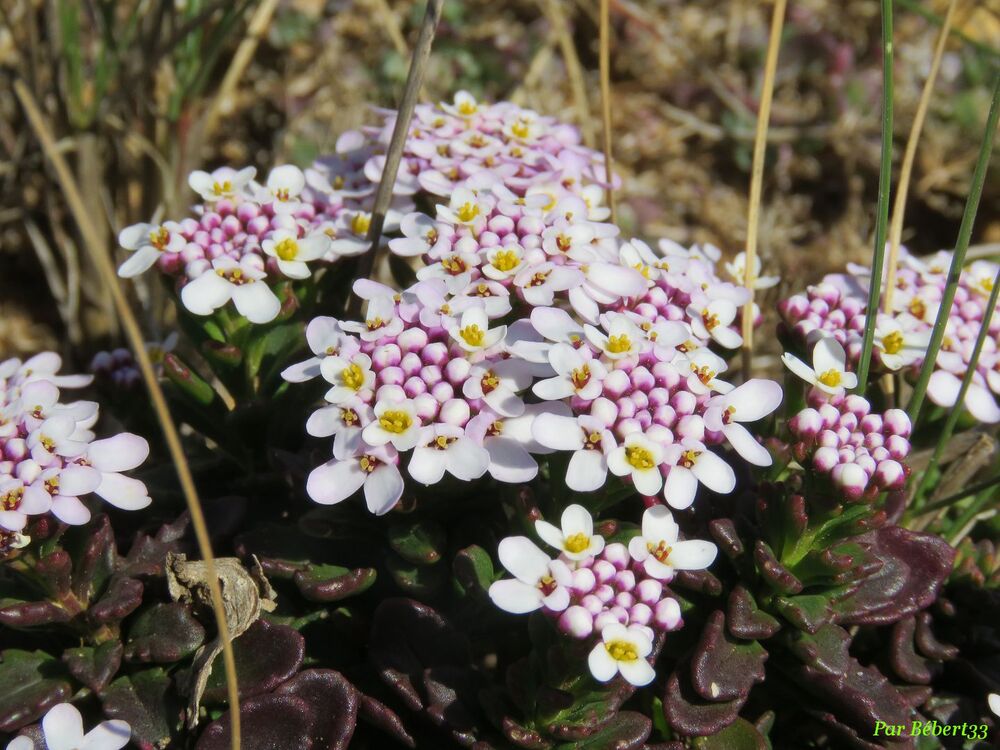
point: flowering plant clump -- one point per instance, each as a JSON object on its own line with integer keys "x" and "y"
{"x": 837, "y": 306}
{"x": 522, "y": 499}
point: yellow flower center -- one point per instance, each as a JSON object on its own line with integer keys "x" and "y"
{"x": 282, "y": 194}
{"x": 619, "y": 344}
{"x": 467, "y": 212}
{"x": 661, "y": 551}
{"x": 395, "y": 421}
{"x": 506, "y": 260}
{"x": 577, "y": 542}
{"x": 489, "y": 381}
{"x": 831, "y": 378}
{"x": 917, "y": 308}
{"x": 622, "y": 651}
{"x": 223, "y": 188}
{"x": 688, "y": 458}
{"x": 368, "y": 463}
{"x": 453, "y": 265}
{"x": 338, "y": 182}
{"x": 892, "y": 342}
{"x": 704, "y": 373}
{"x": 520, "y": 129}
{"x": 495, "y": 429}
{"x": 353, "y": 377}
{"x": 473, "y": 335}
{"x": 287, "y": 249}
{"x": 580, "y": 376}
{"x": 159, "y": 238}
{"x": 47, "y": 443}
{"x": 360, "y": 223}
{"x": 564, "y": 243}
{"x": 538, "y": 279}
{"x": 710, "y": 320}
{"x": 349, "y": 417}
{"x": 593, "y": 441}
{"x": 639, "y": 458}
{"x": 12, "y": 499}
{"x": 441, "y": 442}
{"x": 373, "y": 324}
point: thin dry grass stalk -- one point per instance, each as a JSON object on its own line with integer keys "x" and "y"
{"x": 909, "y": 156}
{"x": 574, "y": 70}
{"x": 133, "y": 333}
{"x": 605, "y": 63}
{"x": 414, "y": 80}
{"x": 222, "y": 103}
{"x": 757, "y": 177}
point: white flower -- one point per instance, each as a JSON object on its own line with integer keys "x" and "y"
{"x": 509, "y": 441}
{"x": 979, "y": 277}
{"x": 713, "y": 321}
{"x": 900, "y": 346}
{"x": 466, "y": 207}
{"x": 498, "y": 384}
{"x": 292, "y": 252}
{"x": 421, "y": 236}
{"x": 704, "y": 366}
{"x": 345, "y": 422}
{"x": 503, "y": 262}
{"x": 473, "y": 333}
{"x": 640, "y": 256}
{"x": 444, "y": 447}
{"x": 538, "y": 580}
{"x": 691, "y": 463}
{"x": 147, "y": 242}
{"x": 640, "y": 458}
{"x": 223, "y": 183}
{"x": 381, "y": 320}
{"x": 284, "y": 184}
{"x": 753, "y": 400}
{"x": 56, "y": 436}
{"x": 63, "y": 730}
{"x": 325, "y": 339}
{"x": 576, "y": 539}
{"x": 623, "y": 650}
{"x": 575, "y": 375}
{"x": 994, "y": 700}
{"x": 829, "y": 371}
{"x": 349, "y": 376}
{"x": 539, "y": 282}
{"x": 372, "y": 468}
{"x": 111, "y": 456}
{"x": 738, "y": 269}
{"x": 589, "y": 439}
{"x": 622, "y": 340}
{"x": 556, "y": 326}
{"x": 395, "y": 422}
{"x": 463, "y": 105}
{"x": 16, "y": 505}
{"x": 571, "y": 241}
{"x": 658, "y": 550}
{"x": 228, "y": 280}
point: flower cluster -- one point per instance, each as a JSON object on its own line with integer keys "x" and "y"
{"x": 534, "y": 155}
{"x": 836, "y": 308}
{"x": 424, "y": 374}
{"x": 611, "y": 594}
{"x": 863, "y": 453}
{"x": 49, "y": 457}
{"x": 246, "y": 237}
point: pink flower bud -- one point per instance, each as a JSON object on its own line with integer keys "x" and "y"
{"x": 825, "y": 459}
{"x": 830, "y": 416}
{"x": 626, "y": 409}
{"x": 649, "y": 590}
{"x": 684, "y": 402}
{"x": 667, "y": 614}
{"x": 427, "y": 407}
{"x": 616, "y": 384}
{"x": 442, "y": 392}
{"x": 806, "y": 424}
{"x": 592, "y": 604}
{"x": 435, "y": 353}
{"x": 604, "y": 619}
{"x": 642, "y": 379}
{"x": 898, "y": 446}
{"x": 412, "y": 340}
{"x": 639, "y": 399}
{"x": 391, "y": 376}
{"x": 414, "y": 387}
{"x": 665, "y": 415}
{"x": 620, "y": 613}
{"x": 691, "y": 426}
{"x": 829, "y": 439}
{"x": 890, "y": 475}
{"x": 881, "y": 454}
{"x": 626, "y": 427}
{"x": 640, "y": 614}
{"x": 625, "y": 579}
{"x": 584, "y": 581}
{"x": 604, "y": 410}
{"x": 871, "y": 423}
{"x": 454, "y": 411}
{"x": 897, "y": 422}
{"x": 624, "y": 599}
{"x": 851, "y": 479}
{"x": 576, "y": 622}
{"x": 857, "y": 405}
{"x": 501, "y": 225}
{"x": 411, "y": 363}
{"x": 604, "y": 571}
{"x": 666, "y": 375}
{"x": 617, "y": 554}
{"x": 457, "y": 371}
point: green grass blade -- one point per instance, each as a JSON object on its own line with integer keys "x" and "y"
{"x": 884, "y": 185}
{"x": 958, "y": 259}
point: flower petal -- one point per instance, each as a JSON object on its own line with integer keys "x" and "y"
{"x": 601, "y": 665}
{"x": 523, "y": 559}
{"x": 335, "y": 481}
{"x": 108, "y": 735}
{"x": 119, "y": 453}
{"x": 124, "y": 492}
{"x": 63, "y": 727}
{"x": 515, "y": 597}
{"x": 383, "y": 489}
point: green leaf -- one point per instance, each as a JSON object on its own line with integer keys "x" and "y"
{"x": 187, "y": 380}
{"x": 420, "y": 542}
{"x": 145, "y": 700}
{"x": 473, "y": 569}
{"x": 740, "y": 735}
{"x": 31, "y": 682}
{"x": 627, "y": 730}
{"x": 94, "y": 666}
{"x": 331, "y": 583}
{"x": 419, "y": 581}
{"x": 808, "y": 613}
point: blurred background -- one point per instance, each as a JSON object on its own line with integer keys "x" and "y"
{"x": 140, "y": 92}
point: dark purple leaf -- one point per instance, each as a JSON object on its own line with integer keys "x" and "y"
{"x": 146, "y": 701}
{"x": 123, "y": 597}
{"x": 148, "y": 554}
{"x": 32, "y": 614}
{"x": 740, "y": 735}
{"x": 95, "y": 561}
{"x": 627, "y": 730}
{"x": 688, "y": 714}
{"x": 330, "y": 583}
{"x": 723, "y": 668}
{"x": 379, "y": 715}
{"x": 806, "y": 612}
{"x": 745, "y": 620}
{"x": 334, "y": 702}
{"x": 56, "y": 572}
{"x": 772, "y": 571}
{"x": 164, "y": 633}
{"x": 529, "y": 739}
{"x": 267, "y": 722}
{"x": 826, "y": 650}
{"x": 94, "y": 666}
{"x": 266, "y": 655}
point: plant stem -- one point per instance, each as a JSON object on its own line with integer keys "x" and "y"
{"x": 757, "y": 177}
{"x": 411, "y": 91}
{"x": 958, "y": 259}
{"x": 605, "y": 65}
{"x": 882, "y": 216}
{"x": 947, "y": 501}
{"x": 953, "y": 415}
